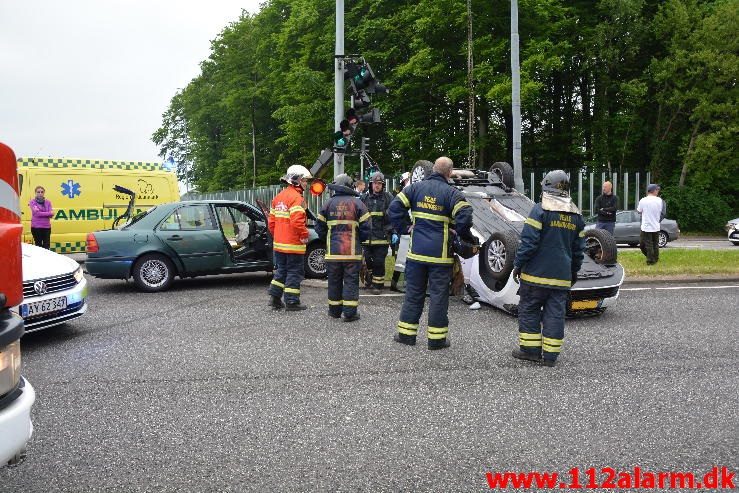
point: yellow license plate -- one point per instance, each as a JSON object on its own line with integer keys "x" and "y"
{"x": 584, "y": 305}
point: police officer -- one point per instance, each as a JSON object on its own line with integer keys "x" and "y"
{"x": 378, "y": 201}
{"x": 286, "y": 223}
{"x": 435, "y": 207}
{"x": 546, "y": 265}
{"x": 343, "y": 223}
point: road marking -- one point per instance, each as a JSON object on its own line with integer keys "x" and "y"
{"x": 682, "y": 287}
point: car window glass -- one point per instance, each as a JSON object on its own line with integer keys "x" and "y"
{"x": 195, "y": 217}
{"x": 623, "y": 217}
{"x": 172, "y": 223}
{"x": 236, "y": 224}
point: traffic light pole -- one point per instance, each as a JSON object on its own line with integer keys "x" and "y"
{"x": 339, "y": 82}
{"x": 516, "y": 99}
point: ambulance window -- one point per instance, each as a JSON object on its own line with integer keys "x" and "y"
{"x": 20, "y": 183}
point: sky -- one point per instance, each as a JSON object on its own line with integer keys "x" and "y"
{"x": 91, "y": 78}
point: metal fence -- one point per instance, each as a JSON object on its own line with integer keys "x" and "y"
{"x": 584, "y": 187}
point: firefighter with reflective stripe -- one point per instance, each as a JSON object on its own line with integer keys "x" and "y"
{"x": 378, "y": 201}
{"x": 546, "y": 265}
{"x": 286, "y": 223}
{"x": 435, "y": 208}
{"x": 343, "y": 223}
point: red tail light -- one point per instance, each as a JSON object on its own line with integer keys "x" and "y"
{"x": 92, "y": 244}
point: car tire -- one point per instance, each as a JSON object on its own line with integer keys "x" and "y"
{"x": 601, "y": 246}
{"x": 153, "y": 272}
{"x": 421, "y": 170}
{"x": 498, "y": 254}
{"x": 504, "y": 171}
{"x": 315, "y": 261}
{"x": 663, "y": 239}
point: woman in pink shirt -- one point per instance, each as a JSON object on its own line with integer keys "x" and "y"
{"x": 41, "y": 214}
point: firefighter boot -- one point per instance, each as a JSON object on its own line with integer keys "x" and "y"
{"x": 518, "y": 354}
{"x": 276, "y": 303}
{"x": 295, "y": 307}
{"x": 405, "y": 339}
{"x": 433, "y": 345}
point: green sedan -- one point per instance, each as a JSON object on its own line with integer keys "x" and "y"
{"x": 189, "y": 239}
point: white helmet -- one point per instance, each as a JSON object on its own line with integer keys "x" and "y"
{"x": 295, "y": 173}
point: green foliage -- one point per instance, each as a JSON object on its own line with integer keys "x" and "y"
{"x": 697, "y": 209}
{"x": 606, "y": 85}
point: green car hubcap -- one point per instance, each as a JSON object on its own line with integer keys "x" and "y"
{"x": 154, "y": 273}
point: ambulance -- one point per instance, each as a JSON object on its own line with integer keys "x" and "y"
{"x": 82, "y": 194}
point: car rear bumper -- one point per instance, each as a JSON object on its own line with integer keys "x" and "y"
{"x": 15, "y": 423}
{"x": 108, "y": 268}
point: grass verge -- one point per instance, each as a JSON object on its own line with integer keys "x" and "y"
{"x": 681, "y": 262}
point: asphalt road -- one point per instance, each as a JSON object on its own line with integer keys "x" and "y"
{"x": 202, "y": 388}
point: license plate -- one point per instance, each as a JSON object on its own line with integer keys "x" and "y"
{"x": 584, "y": 305}
{"x": 44, "y": 306}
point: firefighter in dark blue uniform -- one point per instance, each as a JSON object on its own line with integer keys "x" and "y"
{"x": 378, "y": 201}
{"x": 546, "y": 264}
{"x": 435, "y": 207}
{"x": 343, "y": 223}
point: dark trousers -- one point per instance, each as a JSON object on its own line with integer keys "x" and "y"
{"x": 343, "y": 287}
{"x": 541, "y": 320}
{"x": 42, "y": 237}
{"x": 649, "y": 244}
{"x": 374, "y": 257}
{"x": 418, "y": 276}
{"x": 289, "y": 271}
{"x": 607, "y": 225}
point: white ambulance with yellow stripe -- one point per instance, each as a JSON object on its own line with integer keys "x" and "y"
{"x": 81, "y": 193}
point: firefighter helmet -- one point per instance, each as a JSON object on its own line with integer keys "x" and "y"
{"x": 556, "y": 183}
{"x": 295, "y": 173}
{"x": 378, "y": 177}
{"x": 466, "y": 248}
{"x": 344, "y": 180}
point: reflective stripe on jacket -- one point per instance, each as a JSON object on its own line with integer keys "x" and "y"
{"x": 377, "y": 205}
{"x": 434, "y": 207}
{"x": 286, "y": 221}
{"x": 551, "y": 248}
{"x": 343, "y": 223}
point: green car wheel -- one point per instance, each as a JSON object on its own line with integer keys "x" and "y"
{"x": 153, "y": 272}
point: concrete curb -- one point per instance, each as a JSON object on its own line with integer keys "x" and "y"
{"x": 699, "y": 279}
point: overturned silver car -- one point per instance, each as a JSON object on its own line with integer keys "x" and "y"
{"x": 499, "y": 215}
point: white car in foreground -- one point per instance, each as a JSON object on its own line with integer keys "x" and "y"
{"x": 54, "y": 289}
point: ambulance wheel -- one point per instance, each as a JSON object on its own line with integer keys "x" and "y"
{"x": 315, "y": 261}
{"x": 504, "y": 172}
{"x": 153, "y": 272}
{"x": 498, "y": 254}
{"x": 601, "y": 246}
{"x": 421, "y": 170}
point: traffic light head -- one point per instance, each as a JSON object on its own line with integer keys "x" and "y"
{"x": 341, "y": 141}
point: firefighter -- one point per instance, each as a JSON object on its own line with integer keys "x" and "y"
{"x": 378, "y": 201}
{"x": 436, "y": 208}
{"x": 286, "y": 223}
{"x": 344, "y": 223}
{"x": 546, "y": 265}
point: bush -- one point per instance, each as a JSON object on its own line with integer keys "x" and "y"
{"x": 696, "y": 209}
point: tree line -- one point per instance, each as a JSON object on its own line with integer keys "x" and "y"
{"x": 615, "y": 85}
